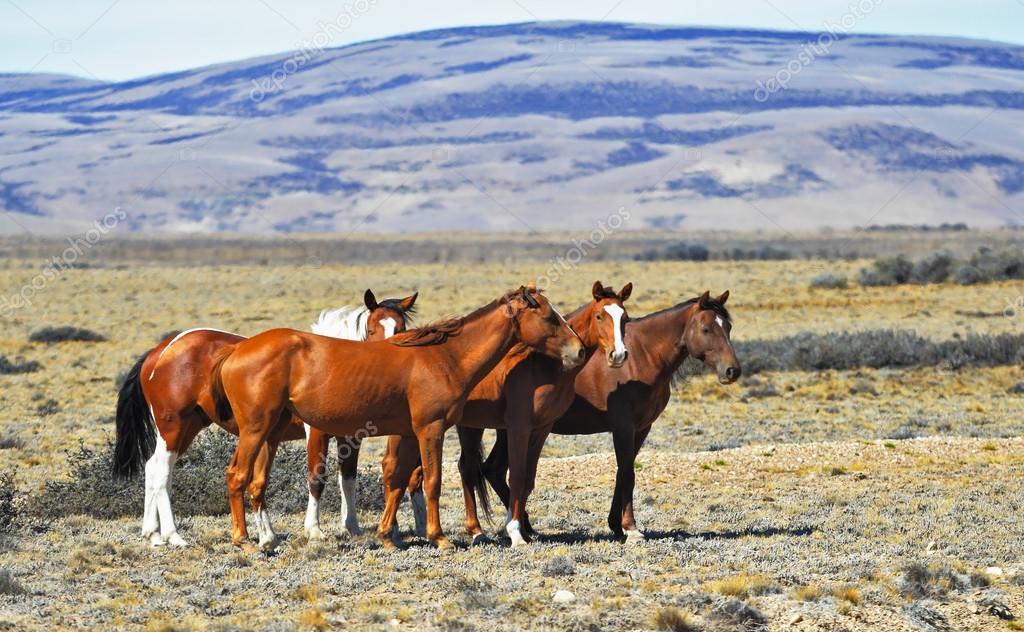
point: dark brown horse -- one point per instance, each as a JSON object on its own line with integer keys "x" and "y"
{"x": 525, "y": 394}
{"x": 415, "y": 384}
{"x": 626, "y": 401}
{"x": 169, "y": 388}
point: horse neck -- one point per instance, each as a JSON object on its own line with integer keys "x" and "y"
{"x": 579, "y": 320}
{"x": 482, "y": 343}
{"x": 661, "y": 336}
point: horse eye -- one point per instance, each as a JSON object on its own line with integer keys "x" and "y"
{"x": 599, "y": 317}
{"x": 707, "y": 330}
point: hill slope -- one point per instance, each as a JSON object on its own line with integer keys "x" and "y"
{"x": 540, "y": 126}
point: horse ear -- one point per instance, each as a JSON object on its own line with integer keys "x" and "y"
{"x": 703, "y": 300}
{"x": 370, "y": 300}
{"x": 407, "y": 302}
{"x": 532, "y": 286}
{"x": 597, "y": 291}
{"x": 626, "y": 290}
{"x": 532, "y": 302}
{"x": 723, "y": 298}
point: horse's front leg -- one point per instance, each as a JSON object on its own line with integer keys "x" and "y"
{"x": 622, "y": 438}
{"x": 431, "y": 444}
{"x": 629, "y": 526}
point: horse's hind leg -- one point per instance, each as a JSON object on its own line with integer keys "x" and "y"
{"x": 348, "y": 469}
{"x": 400, "y": 459}
{"x": 258, "y": 494}
{"x": 418, "y": 501}
{"x": 496, "y": 467}
{"x": 469, "y": 466}
{"x": 316, "y": 479}
{"x": 176, "y": 432}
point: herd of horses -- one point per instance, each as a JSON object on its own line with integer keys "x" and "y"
{"x": 515, "y": 365}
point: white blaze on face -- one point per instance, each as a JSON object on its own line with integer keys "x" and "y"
{"x": 389, "y": 325}
{"x": 616, "y": 312}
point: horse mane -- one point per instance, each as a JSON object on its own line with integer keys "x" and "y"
{"x": 440, "y": 331}
{"x": 711, "y": 304}
{"x": 347, "y": 323}
{"x": 350, "y": 322}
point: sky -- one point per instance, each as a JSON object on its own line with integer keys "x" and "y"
{"x": 123, "y": 39}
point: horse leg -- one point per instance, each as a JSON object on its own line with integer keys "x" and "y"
{"x": 431, "y": 444}
{"x": 181, "y": 430}
{"x": 258, "y": 494}
{"x": 316, "y": 479}
{"x": 254, "y": 429}
{"x": 629, "y": 526}
{"x": 469, "y": 470}
{"x": 399, "y": 460}
{"x": 536, "y": 446}
{"x": 348, "y": 467}
{"x": 418, "y": 501}
{"x": 496, "y": 467}
{"x": 624, "y": 477}
{"x": 518, "y": 448}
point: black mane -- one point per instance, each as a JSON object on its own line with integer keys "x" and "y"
{"x": 710, "y": 304}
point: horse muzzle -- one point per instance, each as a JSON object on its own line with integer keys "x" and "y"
{"x": 728, "y": 375}
{"x": 617, "y": 358}
{"x": 573, "y": 355}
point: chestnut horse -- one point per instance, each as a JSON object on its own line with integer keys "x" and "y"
{"x": 525, "y": 394}
{"x": 169, "y": 387}
{"x": 414, "y": 384}
{"x": 627, "y": 401}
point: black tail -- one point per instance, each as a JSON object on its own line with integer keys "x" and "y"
{"x": 136, "y": 435}
{"x": 471, "y": 463}
{"x": 221, "y": 405}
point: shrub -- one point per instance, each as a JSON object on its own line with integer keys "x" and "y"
{"x": 876, "y": 349}
{"x": 968, "y": 274}
{"x": 764, "y": 253}
{"x": 13, "y": 368}
{"x": 673, "y": 619}
{"x": 8, "y": 503}
{"x": 65, "y": 334}
{"x": 932, "y": 269}
{"x": 887, "y": 271}
{"x": 736, "y": 613}
{"x": 558, "y": 567}
{"x": 678, "y": 251}
{"x": 829, "y": 281}
{"x": 9, "y": 585}
{"x": 920, "y": 581}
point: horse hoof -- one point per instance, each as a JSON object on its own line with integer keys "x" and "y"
{"x": 176, "y": 540}
{"x": 352, "y": 530}
{"x": 156, "y": 540}
{"x": 481, "y": 539}
{"x": 268, "y": 545}
{"x": 314, "y": 533}
{"x": 635, "y": 536}
{"x": 443, "y": 544}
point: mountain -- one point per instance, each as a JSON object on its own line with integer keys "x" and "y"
{"x": 532, "y": 126}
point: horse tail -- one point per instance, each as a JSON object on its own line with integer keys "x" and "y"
{"x": 472, "y": 465}
{"x": 221, "y": 405}
{"x": 136, "y": 432}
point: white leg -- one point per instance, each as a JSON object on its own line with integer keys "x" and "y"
{"x": 349, "y": 517}
{"x": 635, "y": 536}
{"x": 164, "y": 462}
{"x": 266, "y": 530}
{"x": 512, "y": 528}
{"x": 419, "y": 512}
{"x": 312, "y": 524}
{"x": 150, "y": 523}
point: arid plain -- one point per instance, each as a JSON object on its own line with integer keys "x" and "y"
{"x": 871, "y": 498}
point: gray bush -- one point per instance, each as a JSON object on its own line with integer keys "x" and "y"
{"x": 887, "y": 271}
{"x": 830, "y": 281}
{"x": 934, "y": 268}
{"x": 65, "y": 334}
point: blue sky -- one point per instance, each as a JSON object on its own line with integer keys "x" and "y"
{"x": 120, "y": 39}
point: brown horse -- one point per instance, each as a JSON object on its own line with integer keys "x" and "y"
{"x": 626, "y": 401}
{"x": 525, "y": 394}
{"x": 415, "y": 384}
{"x": 169, "y": 387}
